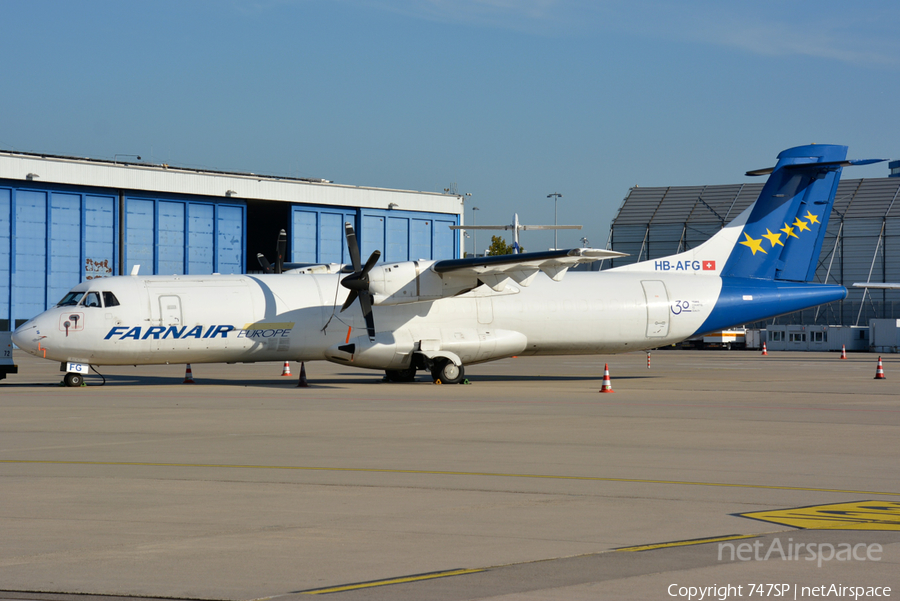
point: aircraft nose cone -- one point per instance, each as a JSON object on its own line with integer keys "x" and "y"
{"x": 25, "y": 337}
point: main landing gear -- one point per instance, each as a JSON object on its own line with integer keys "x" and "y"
{"x": 401, "y": 375}
{"x": 442, "y": 369}
{"x": 447, "y": 372}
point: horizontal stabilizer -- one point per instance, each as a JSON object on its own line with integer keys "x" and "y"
{"x": 829, "y": 166}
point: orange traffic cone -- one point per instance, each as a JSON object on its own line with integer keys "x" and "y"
{"x": 879, "y": 371}
{"x": 607, "y": 385}
{"x": 302, "y": 383}
{"x": 286, "y": 370}
{"x": 188, "y": 375}
{"x": 843, "y": 352}
{"x": 764, "y": 353}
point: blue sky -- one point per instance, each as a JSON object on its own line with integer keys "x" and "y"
{"x": 509, "y": 100}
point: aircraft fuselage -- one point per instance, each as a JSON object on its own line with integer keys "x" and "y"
{"x": 225, "y": 318}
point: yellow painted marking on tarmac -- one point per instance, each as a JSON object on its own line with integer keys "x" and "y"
{"x": 452, "y": 473}
{"x": 686, "y": 543}
{"x": 859, "y": 515}
{"x": 353, "y": 587}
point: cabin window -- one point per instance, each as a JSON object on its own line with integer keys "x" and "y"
{"x": 110, "y": 300}
{"x": 798, "y": 337}
{"x": 70, "y": 299}
{"x": 776, "y": 336}
{"x": 92, "y": 299}
{"x": 818, "y": 336}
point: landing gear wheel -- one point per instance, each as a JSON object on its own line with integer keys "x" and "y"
{"x": 448, "y": 372}
{"x": 401, "y": 375}
{"x": 73, "y": 380}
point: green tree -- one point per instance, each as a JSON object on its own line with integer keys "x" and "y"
{"x": 500, "y": 247}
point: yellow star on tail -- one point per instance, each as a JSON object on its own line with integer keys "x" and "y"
{"x": 773, "y": 238}
{"x": 801, "y": 225}
{"x": 812, "y": 218}
{"x": 789, "y": 231}
{"x": 753, "y": 245}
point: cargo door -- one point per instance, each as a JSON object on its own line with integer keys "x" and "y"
{"x": 657, "y": 308}
{"x": 170, "y": 310}
{"x": 169, "y": 316}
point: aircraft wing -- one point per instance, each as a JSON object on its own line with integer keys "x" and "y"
{"x": 522, "y": 268}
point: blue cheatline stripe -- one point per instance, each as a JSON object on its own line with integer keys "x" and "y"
{"x": 745, "y": 300}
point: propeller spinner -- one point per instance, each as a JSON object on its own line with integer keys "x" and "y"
{"x": 358, "y": 281}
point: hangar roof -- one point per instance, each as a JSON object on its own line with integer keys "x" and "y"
{"x": 237, "y": 186}
{"x": 855, "y": 198}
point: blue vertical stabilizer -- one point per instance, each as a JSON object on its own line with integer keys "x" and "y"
{"x": 783, "y": 235}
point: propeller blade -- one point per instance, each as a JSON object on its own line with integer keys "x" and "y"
{"x": 373, "y": 258}
{"x": 350, "y": 298}
{"x": 365, "y": 301}
{"x": 358, "y": 281}
{"x": 280, "y": 248}
{"x": 352, "y": 246}
{"x": 264, "y": 262}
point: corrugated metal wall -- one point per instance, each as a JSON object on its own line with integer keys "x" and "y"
{"x": 178, "y": 236}
{"x": 318, "y": 234}
{"x": 50, "y": 240}
{"x": 53, "y": 237}
{"x": 863, "y": 238}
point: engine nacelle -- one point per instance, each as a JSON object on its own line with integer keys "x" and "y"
{"x": 391, "y": 350}
{"x": 411, "y": 281}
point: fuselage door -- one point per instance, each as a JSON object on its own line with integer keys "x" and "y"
{"x": 170, "y": 311}
{"x": 657, "y": 308}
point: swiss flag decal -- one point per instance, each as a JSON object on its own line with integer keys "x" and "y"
{"x": 709, "y": 265}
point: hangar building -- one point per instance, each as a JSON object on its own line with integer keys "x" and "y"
{"x": 862, "y": 241}
{"x": 67, "y": 219}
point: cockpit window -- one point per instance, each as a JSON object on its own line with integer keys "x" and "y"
{"x": 70, "y": 299}
{"x": 110, "y": 300}
{"x": 91, "y": 299}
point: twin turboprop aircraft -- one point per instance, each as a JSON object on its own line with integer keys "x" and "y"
{"x": 442, "y": 316}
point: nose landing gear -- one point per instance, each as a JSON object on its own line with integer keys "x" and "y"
{"x": 73, "y": 380}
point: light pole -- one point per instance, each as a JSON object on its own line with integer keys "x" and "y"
{"x": 555, "y": 196}
{"x": 474, "y": 233}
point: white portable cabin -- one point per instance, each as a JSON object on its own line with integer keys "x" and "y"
{"x": 885, "y": 335}
{"x": 816, "y": 338}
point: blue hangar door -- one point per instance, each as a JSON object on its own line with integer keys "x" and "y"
{"x": 317, "y": 234}
{"x": 51, "y": 238}
{"x": 169, "y": 236}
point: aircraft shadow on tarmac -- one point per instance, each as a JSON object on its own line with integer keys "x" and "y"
{"x": 339, "y": 380}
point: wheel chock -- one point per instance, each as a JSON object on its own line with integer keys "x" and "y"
{"x": 438, "y": 381}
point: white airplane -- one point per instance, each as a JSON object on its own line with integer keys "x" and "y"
{"x": 445, "y": 315}
{"x": 516, "y": 227}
